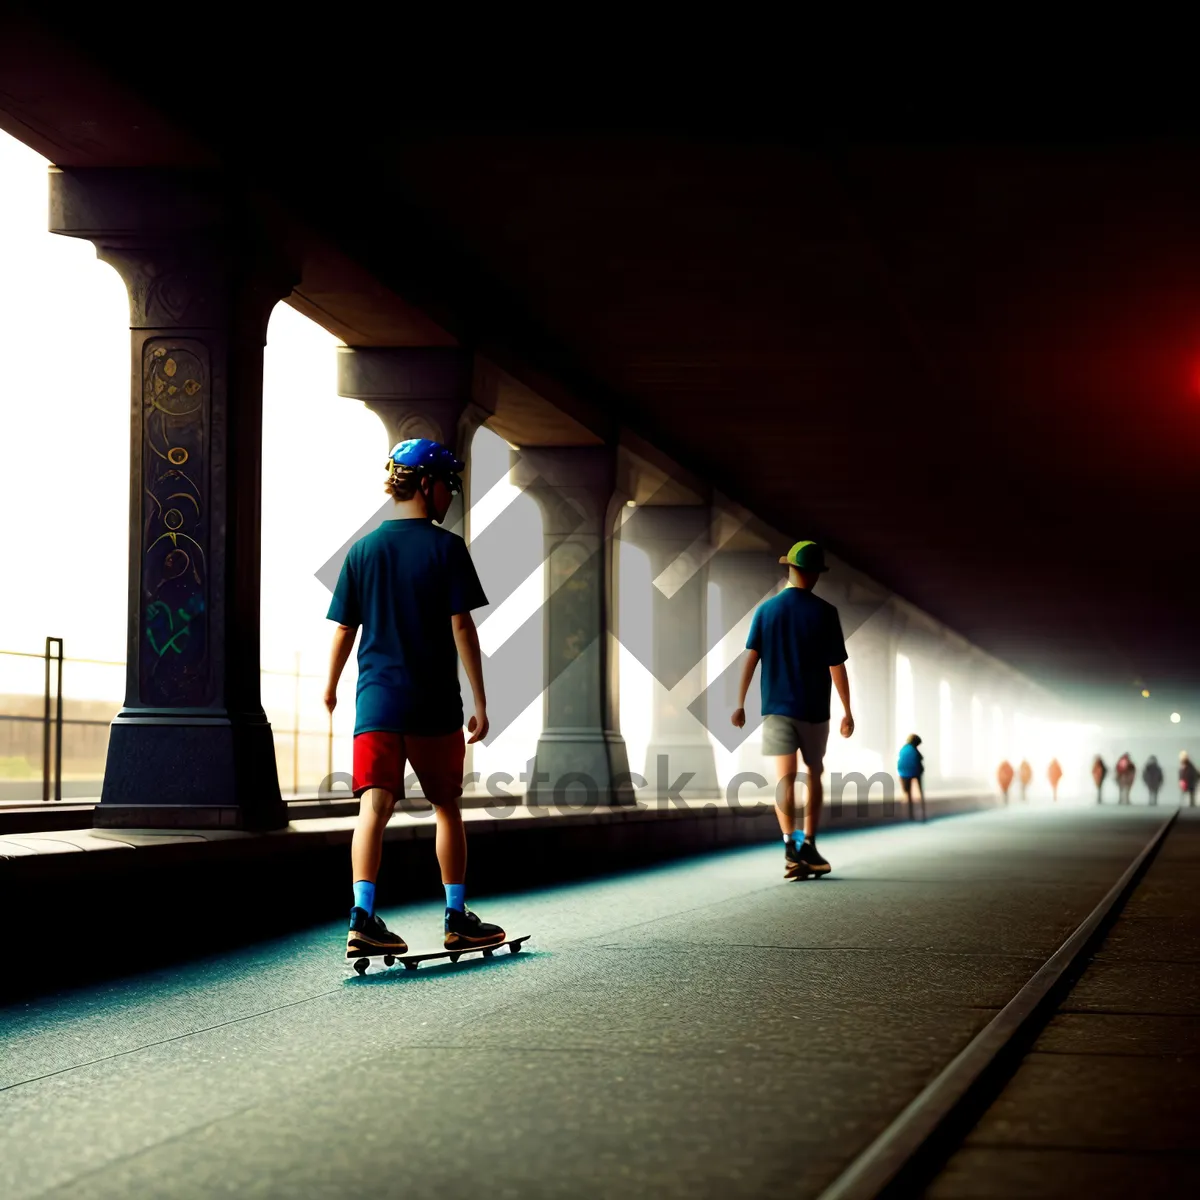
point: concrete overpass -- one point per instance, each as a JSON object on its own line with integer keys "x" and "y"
{"x": 968, "y": 366}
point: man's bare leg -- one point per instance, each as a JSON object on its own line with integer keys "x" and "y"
{"x": 451, "y": 842}
{"x": 464, "y": 930}
{"x": 366, "y": 849}
{"x": 368, "y": 934}
{"x": 785, "y": 793}
{"x": 812, "y": 810}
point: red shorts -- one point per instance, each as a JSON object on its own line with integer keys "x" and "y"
{"x": 379, "y": 759}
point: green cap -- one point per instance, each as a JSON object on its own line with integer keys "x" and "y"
{"x": 806, "y": 556}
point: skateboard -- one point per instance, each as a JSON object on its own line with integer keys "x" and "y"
{"x": 805, "y": 873}
{"x": 414, "y": 958}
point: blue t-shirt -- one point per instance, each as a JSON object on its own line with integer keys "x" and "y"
{"x": 798, "y": 638}
{"x": 909, "y": 764}
{"x": 402, "y": 583}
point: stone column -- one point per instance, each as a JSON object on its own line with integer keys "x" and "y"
{"x": 674, "y": 646}
{"x": 191, "y": 747}
{"x": 417, "y": 391}
{"x": 743, "y": 579}
{"x": 581, "y": 753}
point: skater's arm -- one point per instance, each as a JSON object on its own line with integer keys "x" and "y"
{"x": 466, "y": 638}
{"x": 343, "y": 643}
{"x": 748, "y": 667}
{"x": 841, "y": 681}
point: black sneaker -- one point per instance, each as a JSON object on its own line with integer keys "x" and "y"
{"x": 793, "y": 866}
{"x": 369, "y": 935}
{"x": 464, "y": 930}
{"x": 811, "y": 862}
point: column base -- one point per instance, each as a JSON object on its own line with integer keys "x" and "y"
{"x": 199, "y": 772}
{"x": 577, "y": 766}
{"x": 683, "y": 756}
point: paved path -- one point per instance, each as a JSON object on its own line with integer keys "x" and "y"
{"x": 1107, "y": 1104}
{"x": 701, "y": 1029}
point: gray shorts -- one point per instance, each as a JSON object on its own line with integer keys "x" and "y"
{"x": 786, "y": 735}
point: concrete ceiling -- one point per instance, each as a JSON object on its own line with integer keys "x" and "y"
{"x": 971, "y": 365}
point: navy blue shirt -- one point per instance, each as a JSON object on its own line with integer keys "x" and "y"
{"x": 402, "y": 583}
{"x": 798, "y": 638}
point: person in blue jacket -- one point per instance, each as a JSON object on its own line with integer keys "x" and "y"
{"x": 910, "y": 766}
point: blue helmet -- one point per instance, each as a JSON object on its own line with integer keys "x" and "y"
{"x": 421, "y": 456}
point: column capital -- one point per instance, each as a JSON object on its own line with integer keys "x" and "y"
{"x": 417, "y": 391}
{"x": 575, "y": 486}
{"x": 192, "y": 250}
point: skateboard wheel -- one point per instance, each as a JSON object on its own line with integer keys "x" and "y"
{"x": 388, "y": 959}
{"x": 453, "y": 958}
{"x": 361, "y": 966}
{"x": 411, "y": 966}
{"x": 487, "y": 953}
{"x": 515, "y": 948}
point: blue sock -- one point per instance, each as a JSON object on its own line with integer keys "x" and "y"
{"x": 456, "y": 896}
{"x": 364, "y": 896}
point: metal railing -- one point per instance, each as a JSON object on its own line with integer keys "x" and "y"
{"x": 53, "y": 720}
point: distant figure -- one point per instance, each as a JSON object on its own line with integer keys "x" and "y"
{"x": 1126, "y": 774}
{"x": 1004, "y": 777}
{"x": 1152, "y": 777}
{"x": 1054, "y": 775}
{"x": 1025, "y": 775}
{"x": 1188, "y": 777}
{"x": 1099, "y": 773}
{"x": 910, "y": 766}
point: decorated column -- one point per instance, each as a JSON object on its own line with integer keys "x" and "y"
{"x": 191, "y": 746}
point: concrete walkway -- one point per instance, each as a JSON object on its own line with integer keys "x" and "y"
{"x": 1107, "y": 1104}
{"x": 700, "y": 1029}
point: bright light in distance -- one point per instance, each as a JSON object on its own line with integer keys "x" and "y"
{"x": 1174, "y": 718}
{"x": 1146, "y": 693}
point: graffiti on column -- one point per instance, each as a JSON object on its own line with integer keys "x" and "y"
{"x": 174, "y": 666}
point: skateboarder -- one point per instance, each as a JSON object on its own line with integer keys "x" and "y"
{"x": 411, "y": 587}
{"x": 1188, "y": 778}
{"x": 1152, "y": 777}
{"x": 798, "y": 638}
{"x": 910, "y": 767}
{"x": 1126, "y": 775}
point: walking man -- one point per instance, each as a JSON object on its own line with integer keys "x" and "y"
{"x": 1152, "y": 777}
{"x": 1126, "y": 774}
{"x": 798, "y": 639}
{"x": 410, "y": 586}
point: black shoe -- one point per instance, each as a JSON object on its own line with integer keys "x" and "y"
{"x": 793, "y": 867}
{"x": 465, "y": 930}
{"x": 811, "y": 858}
{"x": 804, "y": 861}
{"x": 369, "y": 935}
